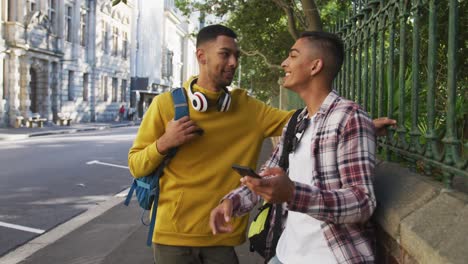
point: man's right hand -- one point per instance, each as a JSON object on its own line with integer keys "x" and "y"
{"x": 220, "y": 217}
{"x": 178, "y": 132}
{"x": 381, "y": 124}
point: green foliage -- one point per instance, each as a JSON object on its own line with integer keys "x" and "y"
{"x": 116, "y": 2}
{"x": 273, "y": 41}
{"x": 331, "y": 11}
{"x": 262, "y": 28}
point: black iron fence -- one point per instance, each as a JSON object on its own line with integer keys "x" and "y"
{"x": 404, "y": 59}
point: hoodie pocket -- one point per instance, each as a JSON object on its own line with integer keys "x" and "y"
{"x": 192, "y": 214}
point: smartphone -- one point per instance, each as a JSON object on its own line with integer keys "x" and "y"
{"x": 245, "y": 171}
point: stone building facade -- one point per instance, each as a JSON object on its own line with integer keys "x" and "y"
{"x": 64, "y": 56}
{"x": 86, "y": 58}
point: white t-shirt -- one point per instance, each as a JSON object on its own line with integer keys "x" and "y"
{"x": 302, "y": 241}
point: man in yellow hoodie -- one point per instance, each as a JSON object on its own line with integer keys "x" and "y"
{"x": 234, "y": 126}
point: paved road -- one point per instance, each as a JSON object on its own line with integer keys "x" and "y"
{"x": 46, "y": 181}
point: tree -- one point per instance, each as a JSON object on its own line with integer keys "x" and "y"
{"x": 267, "y": 29}
{"x": 116, "y": 2}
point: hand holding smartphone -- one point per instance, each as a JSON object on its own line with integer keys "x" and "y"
{"x": 245, "y": 171}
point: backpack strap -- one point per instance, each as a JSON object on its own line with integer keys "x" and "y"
{"x": 180, "y": 103}
{"x": 288, "y": 139}
{"x": 181, "y": 109}
{"x": 284, "y": 164}
{"x": 149, "y": 239}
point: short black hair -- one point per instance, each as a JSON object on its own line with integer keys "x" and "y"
{"x": 211, "y": 32}
{"x": 329, "y": 43}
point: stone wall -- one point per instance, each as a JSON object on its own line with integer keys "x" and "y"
{"x": 419, "y": 221}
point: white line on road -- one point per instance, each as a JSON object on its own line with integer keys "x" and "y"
{"x": 21, "y": 253}
{"x": 22, "y": 228}
{"x": 106, "y": 164}
{"x": 122, "y": 193}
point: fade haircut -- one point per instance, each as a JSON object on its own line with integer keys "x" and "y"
{"x": 210, "y": 33}
{"x": 331, "y": 46}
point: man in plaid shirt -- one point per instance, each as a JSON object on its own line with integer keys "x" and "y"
{"x": 328, "y": 190}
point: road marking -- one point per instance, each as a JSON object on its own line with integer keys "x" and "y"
{"x": 122, "y": 193}
{"x": 106, "y": 164}
{"x": 21, "y": 253}
{"x": 22, "y": 228}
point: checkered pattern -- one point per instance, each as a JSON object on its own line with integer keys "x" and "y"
{"x": 341, "y": 194}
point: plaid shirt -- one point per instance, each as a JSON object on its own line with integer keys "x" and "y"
{"x": 341, "y": 194}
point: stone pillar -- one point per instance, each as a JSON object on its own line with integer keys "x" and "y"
{"x": 54, "y": 71}
{"x": 48, "y": 111}
{"x": 119, "y": 90}
{"x": 59, "y": 27}
{"x": 38, "y": 66}
{"x": 12, "y": 12}
{"x": 93, "y": 77}
{"x": 25, "y": 78}
{"x": 20, "y": 11}
{"x": 3, "y": 81}
{"x": 13, "y": 64}
{"x": 93, "y": 93}
{"x": 76, "y": 34}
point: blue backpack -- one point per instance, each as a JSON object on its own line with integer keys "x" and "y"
{"x": 147, "y": 188}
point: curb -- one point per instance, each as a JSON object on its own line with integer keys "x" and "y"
{"x": 12, "y": 137}
{"x": 7, "y": 137}
{"x": 22, "y": 252}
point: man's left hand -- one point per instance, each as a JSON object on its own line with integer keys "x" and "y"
{"x": 277, "y": 188}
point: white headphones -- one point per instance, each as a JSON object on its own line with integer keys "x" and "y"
{"x": 200, "y": 103}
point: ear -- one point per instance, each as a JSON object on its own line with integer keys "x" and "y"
{"x": 201, "y": 57}
{"x": 317, "y": 66}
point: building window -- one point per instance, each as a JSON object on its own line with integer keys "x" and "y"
{"x": 104, "y": 36}
{"x": 5, "y": 74}
{"x": 84, "y": 16}
{"x": 70, "y": 86}
{"x": 101, "y": 89}
{"x": 104, "y": 86}
{"x": 124, "y": 45}
{"x": 123, "y": 96}
{"x": 68, "y": 23}
{"x": 30, "y": 6}
{"x": 182, "y": 58}
{"x": 85, "y": 87}
{"x": 115, "y": 41}
{"x": 170, "y": 65}
{"x": 114, "y": 89}
{"x": 52, "y": 13}
{"x": 167, "y": 63}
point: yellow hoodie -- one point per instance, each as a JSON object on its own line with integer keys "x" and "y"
{"x": 200, "y": 174}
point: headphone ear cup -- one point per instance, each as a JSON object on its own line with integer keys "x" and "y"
{"x": 224, "y": 102}
{"x": 199, "y": 102}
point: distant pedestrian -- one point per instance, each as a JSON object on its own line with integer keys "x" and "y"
{"x": 131, "y": 113}
{"x": 121, "y": 113}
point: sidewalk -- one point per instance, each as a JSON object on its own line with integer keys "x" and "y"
{"x": 25, "y": 132}
{"x": 110, "y": 233}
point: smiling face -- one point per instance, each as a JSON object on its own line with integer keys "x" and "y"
{"x": 219, "y": 61}
{"x": 300, "y": 66}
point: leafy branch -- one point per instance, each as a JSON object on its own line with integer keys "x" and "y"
{"x": 265, "y": 60}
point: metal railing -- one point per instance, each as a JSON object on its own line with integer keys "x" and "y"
{"x": 401, "y": 61}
